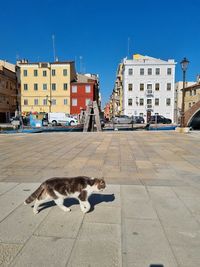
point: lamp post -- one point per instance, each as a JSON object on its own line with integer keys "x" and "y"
{"x": 50, "y": 93}
{"x": 184, "y": 64}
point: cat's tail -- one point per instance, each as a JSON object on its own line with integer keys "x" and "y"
{"x": 36, "y": 194}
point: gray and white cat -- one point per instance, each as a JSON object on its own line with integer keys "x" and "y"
{"x": 58, "y": 189}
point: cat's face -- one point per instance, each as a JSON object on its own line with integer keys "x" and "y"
{"x": 101, "y": 185}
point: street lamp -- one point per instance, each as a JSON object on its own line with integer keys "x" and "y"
{"x": 184, "y": 64}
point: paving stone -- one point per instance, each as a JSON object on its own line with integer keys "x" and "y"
{"x": 185, "y": 238}
{"x": 5, "y": 187}
{"x": 145, "y": 244}
{"x": 61, "y": 224}
{"x": 187, "y": 256}
{"x": 173, "y": 212}
{"x": 14, "y": 198}
{"x": 163, "y": 192}
{"x": 97, "y": 245}
{"x": 104, "y": 214}
{"x": 20, "y": 224}
{"x": 8, "y": 252}
{"x": 134, "y": 192}
{"x": 44, "y": 251}
{"x": 140, "y": 209}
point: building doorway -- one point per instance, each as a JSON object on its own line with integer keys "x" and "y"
{"x": 148, "y": 116}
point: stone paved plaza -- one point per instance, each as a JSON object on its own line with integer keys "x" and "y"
{"x": 148, "y": 214}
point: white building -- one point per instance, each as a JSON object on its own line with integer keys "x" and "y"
{"x": 148, "y": 87}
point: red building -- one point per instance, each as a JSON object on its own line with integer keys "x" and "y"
{"x": 84, "y": 90}
{"x": 107, "y": 111}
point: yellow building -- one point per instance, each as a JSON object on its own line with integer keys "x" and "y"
{"x": 192, "y": 95}
{"x": 8, "y": 91}
{"x": 45, "y": 87}
{"x": 116, "y": 100}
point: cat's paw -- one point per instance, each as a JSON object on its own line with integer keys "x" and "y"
{"x": 67, "y": 209}
{"x": 35, "y": 211}
{"x": 85, "y": 210}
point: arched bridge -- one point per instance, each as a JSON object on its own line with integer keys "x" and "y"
{"x": 192, "y": 116}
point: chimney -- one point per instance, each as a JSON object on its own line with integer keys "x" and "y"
{"x": 198, "y": 78}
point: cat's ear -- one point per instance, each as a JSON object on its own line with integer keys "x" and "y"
{"x": 102, "y": 181}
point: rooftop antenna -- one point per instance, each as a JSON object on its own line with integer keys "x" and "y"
{"x": 129, "y": 46}
{"x": 80, "y": 57}
{"x": 54, "y": 50}
{"x": 75, "y": 62}
{"x": 84, "y": 68}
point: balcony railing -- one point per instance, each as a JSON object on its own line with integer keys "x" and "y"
{"x": 149, "y": 107}
{"x": 149, "y": 93}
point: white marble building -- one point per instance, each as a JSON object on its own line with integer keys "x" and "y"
{"x": 148, "y": 86}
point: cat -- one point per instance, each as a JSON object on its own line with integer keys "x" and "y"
{"x": 58, "y": 189}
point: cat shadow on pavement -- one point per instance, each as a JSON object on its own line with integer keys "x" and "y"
{"x": 94, "y": 200}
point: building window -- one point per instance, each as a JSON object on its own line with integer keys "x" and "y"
{"x": 65, "y": 86}
{"x": 53, "y": 72}
{"x": 53, "y": 102}
{"x": 44, "y": 102}
{"x": 44, "y": 86}
{"x": 190, "y": 93}
{"x": 141, "y": 102}
{"x": 53, "y": 86}
{"x": 87, "y": 88}
{"x": 130, "y": 87}
{"x": 65, "y": 101}
{"x": 195, "y": 92}
{"x": 25, "y": 73}
{"x": 149, "y": 89}
{"x": 130, "y": 71}
{"x": 36, "y": 102}
{"x": 74, "y": 88}
{"x": 142, "y": 71}
{"x": 25, "y": 87}
{"x": 169, "y": 86}
{"x": 157, "y": 86}
{"x": 65, "y": 72}
{"x": 149, "y": 71}
{"x": 149, "y": 103}
{"x": 130, "y": 102}
{"x": 168, "y": 102}
{"x": 35, "y": 73}
{"x": 157, "y": 71}
{"x": 44, "y": 73}
{"x": 87, "y": 101}
{"x": 74, "y": 102}
{"x": 169, "y": 71}
{"x": 25, "y": 102}
{"x": 156, "y": 101}
{"x": 35, "y": 86}
{"x": 142, "y": 87}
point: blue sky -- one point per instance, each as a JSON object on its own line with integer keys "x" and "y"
{"x": 98, "y": 31}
